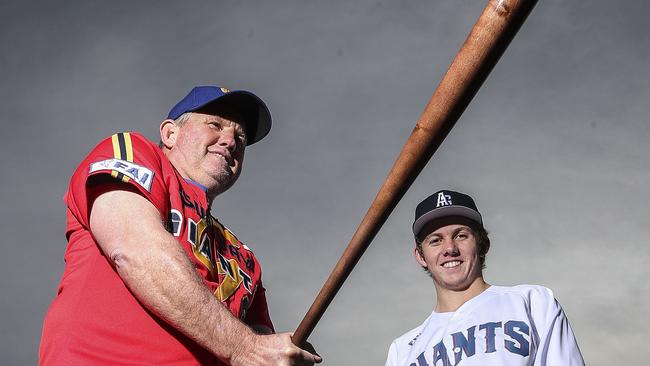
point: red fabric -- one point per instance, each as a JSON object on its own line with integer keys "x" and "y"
{"x": 94, "y": 318}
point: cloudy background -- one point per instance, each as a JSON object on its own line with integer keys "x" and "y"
{"x": 554, "y": 148}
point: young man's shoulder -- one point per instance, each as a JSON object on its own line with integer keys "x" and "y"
{"x": 409, "y": 338}
{"x": 531, "y": 292}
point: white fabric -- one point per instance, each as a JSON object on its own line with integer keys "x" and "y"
{"x": 520, "y": 325}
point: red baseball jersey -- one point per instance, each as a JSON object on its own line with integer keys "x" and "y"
{"x": 94, "y": 318}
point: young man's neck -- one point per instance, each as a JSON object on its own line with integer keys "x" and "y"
{"x": 450, "y": 300}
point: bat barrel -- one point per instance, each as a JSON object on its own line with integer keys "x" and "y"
{"x": 487, "y": 41}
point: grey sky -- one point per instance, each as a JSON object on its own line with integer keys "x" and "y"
{"x": 553, "y": 148}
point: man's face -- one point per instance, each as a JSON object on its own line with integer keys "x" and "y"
{"x": 450, "y": 255}
{"x": 210, "y": 150}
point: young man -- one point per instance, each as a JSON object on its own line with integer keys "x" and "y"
{"x": 473, "y": 322}
{"x": 151, "y": 276}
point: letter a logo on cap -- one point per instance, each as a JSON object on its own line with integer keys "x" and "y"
{"x": 443, "y": 200}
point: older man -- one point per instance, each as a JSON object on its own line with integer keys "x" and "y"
{"x": 151, "y": 277}
{"x": 474, "y": 323}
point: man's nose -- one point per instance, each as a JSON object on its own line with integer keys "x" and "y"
{"x": 450, "y": 247}
{"x": 227, "y": 139}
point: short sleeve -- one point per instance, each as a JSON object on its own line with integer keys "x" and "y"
{"x": 391, "y": 360}
{"x": 558, "y": 345}
{"x": 124, "y": 158}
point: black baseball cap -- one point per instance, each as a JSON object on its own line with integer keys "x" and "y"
{"x": 257, "y": 118}
{"x": 442, "y": 204}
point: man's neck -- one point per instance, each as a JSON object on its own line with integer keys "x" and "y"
{"x": 176, "y": 162}
{"x": 450, "y": 300}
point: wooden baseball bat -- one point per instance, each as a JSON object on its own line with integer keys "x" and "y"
{"x": 488, "y": 39}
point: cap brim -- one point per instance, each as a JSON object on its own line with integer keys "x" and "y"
{"x": 256, "y": 113}
{"x": 462, "y": 211}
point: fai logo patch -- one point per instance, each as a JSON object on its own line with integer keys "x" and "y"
{"x": 139, "y": 174}
{"x": 443, "y": 200}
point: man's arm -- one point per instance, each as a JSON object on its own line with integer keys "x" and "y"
{"x": 155, "y": 268}
{"x": 557, "y": 344}
{"x": 391, "y": 360}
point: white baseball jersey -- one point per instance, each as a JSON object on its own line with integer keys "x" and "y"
{"x": 520, "y": 325}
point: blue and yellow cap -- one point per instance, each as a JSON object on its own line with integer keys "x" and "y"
{"x": 257, "y": 118}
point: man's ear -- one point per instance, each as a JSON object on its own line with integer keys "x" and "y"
{"x": 418, "y": 257}
{"x": 168, "y": 133}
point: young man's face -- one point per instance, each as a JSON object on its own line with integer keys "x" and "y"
{"x": 450, "y": 255}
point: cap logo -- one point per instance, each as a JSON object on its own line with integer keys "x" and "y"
{"x": 225, "y": 90}
{"x": 443, "y": 200}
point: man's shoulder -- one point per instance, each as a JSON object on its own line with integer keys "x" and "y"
{"x": 528, "y": 291}
{"x": 125, "y": 156}
{"x": 533, "y": 296}
{"x": 127, "y": 147}
{"x": 123, "y": 142}
{"x": 409, "y": 338}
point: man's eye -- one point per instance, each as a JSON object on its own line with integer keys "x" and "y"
{"x": 215, "y": 125}
{"x": 435, "y": 241}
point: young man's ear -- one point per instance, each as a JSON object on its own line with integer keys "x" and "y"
{"x": 418, "y": 257}
{"x": 168, "y": 133}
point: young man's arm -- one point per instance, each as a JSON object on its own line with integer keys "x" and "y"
{"x": 558, "y": 345}
{"x": 156, "y": 269}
